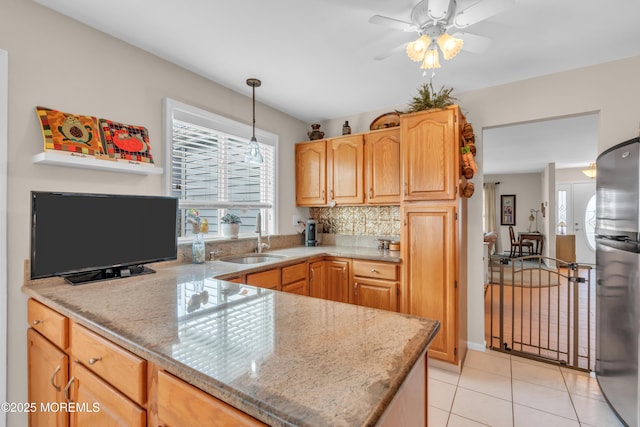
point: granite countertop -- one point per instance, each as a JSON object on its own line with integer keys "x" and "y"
{"x": 283, "y": 358}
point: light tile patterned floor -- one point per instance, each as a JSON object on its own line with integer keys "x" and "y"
{"x": 497, "y": 389}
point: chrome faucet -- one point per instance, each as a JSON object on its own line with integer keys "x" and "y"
{"x": 261, "y": 246}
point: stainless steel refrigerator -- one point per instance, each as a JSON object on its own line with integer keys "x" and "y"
{"x": 618, "y": 277}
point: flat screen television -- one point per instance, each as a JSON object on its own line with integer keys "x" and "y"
{"x": 90, "y": 237}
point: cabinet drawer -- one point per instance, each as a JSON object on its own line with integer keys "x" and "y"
{"x": 299, "y": 287}
{"x": 269, "y": 279}
{"x": 294, "y": 273}
{"x": 124, "y": 370}
{"x": 375, "y": 270}
{"x": 181, "y": 404}
{"x": 51, "y": 324}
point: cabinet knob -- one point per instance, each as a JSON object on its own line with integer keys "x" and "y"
{"x": 94, "y": 360}
{"x": 373, "y": 270}
{"x": 37, "y": 322}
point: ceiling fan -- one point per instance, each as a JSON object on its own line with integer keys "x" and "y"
{"x": 439, "y": 24}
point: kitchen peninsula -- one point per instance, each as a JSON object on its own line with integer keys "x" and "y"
{"x": 280, "y": 358}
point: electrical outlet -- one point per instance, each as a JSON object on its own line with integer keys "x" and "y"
{"x": 296, "y": 219}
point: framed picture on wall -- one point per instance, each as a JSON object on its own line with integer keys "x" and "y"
{"x": 508, "y": 209}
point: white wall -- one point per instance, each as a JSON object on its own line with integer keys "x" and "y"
{"x": 4, "y": 90}
{"x": 59, "y": 63}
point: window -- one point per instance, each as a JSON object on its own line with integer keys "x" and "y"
{"x": 562, "y": 212}
{"x": 205, "y": 169}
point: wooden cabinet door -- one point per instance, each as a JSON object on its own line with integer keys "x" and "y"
{"x": 317, "y": 281}
{"x": 311, "y": 183}
{"x": 102, "y": 404}
{"x": 337, "y": 281}
{"x": 384, "y": 171}
{"x": 345, "y": 169}
{"x": 181, "y": 404}
{"x": 269, "y": 279}
{"x": 430, "y": 153}
{"x": 429, "y": 285}
{"x": 375, "y": 293}
{"x": 47, "y": 377}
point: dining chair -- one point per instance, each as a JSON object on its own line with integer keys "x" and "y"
{"x": 518, "y": 244}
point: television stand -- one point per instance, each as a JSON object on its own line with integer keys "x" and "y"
{"x": 107, "y": 274}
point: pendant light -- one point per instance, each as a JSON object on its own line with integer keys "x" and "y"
{"x": 253, "y": 155}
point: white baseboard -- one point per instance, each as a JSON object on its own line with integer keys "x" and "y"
{"x": 476, "y": 346}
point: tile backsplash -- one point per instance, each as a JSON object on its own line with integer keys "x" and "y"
{"x": 359, "y": 220}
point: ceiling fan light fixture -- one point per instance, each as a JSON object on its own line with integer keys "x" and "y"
{"x": 590, "y": 171}
{"x": 417, "y": 48}
{"x": 449, "y": 45}
{"x": 431, "y": 59}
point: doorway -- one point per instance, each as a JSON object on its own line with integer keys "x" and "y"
{"x": 576, "y": 204}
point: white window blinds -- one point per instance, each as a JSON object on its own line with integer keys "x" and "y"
{"x": 208, "y": 173}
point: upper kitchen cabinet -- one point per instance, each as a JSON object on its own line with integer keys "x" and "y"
{"x": 345, "y": 169}
{"x": 430, "y": 153}
{"x": 311, "y": 182}
{"x": 383, "y": 171}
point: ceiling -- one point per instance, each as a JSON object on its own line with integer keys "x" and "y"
{"x": 569, "y": 142}
{"x": 315, "y": 57}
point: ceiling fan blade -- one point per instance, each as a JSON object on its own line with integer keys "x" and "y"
{"x": 480, "y": 11}
{"x": 392, "y": 23}
{"x": 395, "y": 50}
{"x": 473, "y": 43}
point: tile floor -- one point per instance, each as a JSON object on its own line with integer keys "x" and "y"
{"x": 497, "y": 389}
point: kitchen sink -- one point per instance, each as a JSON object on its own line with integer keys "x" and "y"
{"x": 252, "y": 258}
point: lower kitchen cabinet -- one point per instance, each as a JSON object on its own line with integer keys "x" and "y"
{"x": 102, "y": 404}
{"x": 375, "y": 284}
{"x": 329, "y": 279}
{"x": 181, "y": 404}
{"x": 99, "y": 381}
{"x": 294, "y": 279}
{"x": 48, "y": 375}
{"x": 430, "y": 268}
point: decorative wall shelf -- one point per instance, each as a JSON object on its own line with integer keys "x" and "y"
{"x": 74, "y": 160}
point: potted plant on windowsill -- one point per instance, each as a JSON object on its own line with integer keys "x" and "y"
{"x": 230, "y": 225}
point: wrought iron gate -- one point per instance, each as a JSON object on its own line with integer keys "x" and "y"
{"x": 540, "y": 312}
